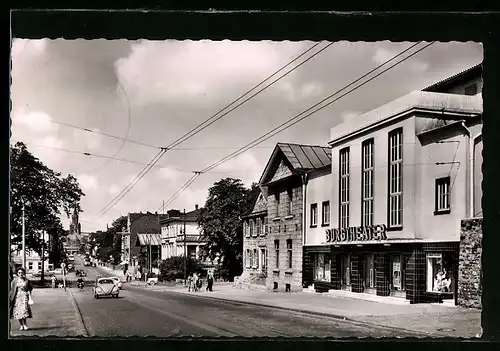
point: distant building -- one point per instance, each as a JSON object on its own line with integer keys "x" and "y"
{"x": 75, "y": 238}
{"x": 255, "y": 238}
{"x": 174, "y": 242}
{"x": 138, "y": 223}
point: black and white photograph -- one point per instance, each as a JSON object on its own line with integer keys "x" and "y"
{"x": 224, "y": 188}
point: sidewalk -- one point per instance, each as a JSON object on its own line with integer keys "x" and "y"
{"x": 431, "y": 319}
{"x": 54, "y": 314}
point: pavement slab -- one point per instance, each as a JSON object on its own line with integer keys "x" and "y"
{"x": 54, "y": 314}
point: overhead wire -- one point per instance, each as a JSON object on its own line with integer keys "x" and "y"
{"x": 210, "y": 121}
{"x": 297, "y": 118}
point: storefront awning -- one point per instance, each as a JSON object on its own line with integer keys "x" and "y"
{"x": 148, "y": 239}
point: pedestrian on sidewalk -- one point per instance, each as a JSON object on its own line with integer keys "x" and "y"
{"x": 195, "y": 281}
{"x": 190, "y": 282}
{"x": 54, "y": 281}
{"x": 20, "y": 298}
{"x": 210, "y": 282}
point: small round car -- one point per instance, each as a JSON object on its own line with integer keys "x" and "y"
{"x": 105, "y": 287}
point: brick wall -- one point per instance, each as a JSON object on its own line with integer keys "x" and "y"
{"x": 283, "y": 227}
{"x": 469, "y": 271}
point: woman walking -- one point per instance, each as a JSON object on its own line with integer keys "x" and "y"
{"x": 20, "y": 296}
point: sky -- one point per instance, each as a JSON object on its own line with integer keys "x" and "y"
{"x": 154, "y": 92}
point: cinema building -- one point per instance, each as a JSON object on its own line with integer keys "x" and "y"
{"x": 403, "y": 176}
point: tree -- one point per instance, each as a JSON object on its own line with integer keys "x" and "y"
{"x": 109, "y": 242}
{"x": 44, "y": 194}
{"x": 221, "y": 226}
{"x": 173, "y": 268}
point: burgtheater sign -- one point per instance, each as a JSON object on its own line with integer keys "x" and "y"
{"x": 373, "y": 232}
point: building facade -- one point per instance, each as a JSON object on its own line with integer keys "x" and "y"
{"x": 255, "y": 239}
{"x": 283, "y": 184}
{"x": 138, "y": 223}
{"x": 403, "y": 176}
{"x": 174, "y": 242}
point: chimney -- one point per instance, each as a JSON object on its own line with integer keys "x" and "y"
{"x": 196, "y": 206}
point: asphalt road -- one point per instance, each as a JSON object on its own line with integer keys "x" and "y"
{"x": 142, "y": 312}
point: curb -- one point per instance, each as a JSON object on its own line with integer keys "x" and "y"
{"x": 312, "y": 313}
{"x": 79, "y": 314}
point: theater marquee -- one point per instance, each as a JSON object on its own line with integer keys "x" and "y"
{"x": 365, "y": 233}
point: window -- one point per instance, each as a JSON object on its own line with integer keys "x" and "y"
{"x": 344, "y": 188}
{"x": 259, "y": 226}
{"x": 289, "y": 252}
{"x": 264, "y": 259}
{"x": 395, "y": 178}
{"x": 325, "y": 208}
{"x": 266, "y": 227}
{"x": 277, "y": 201}
{"x": 277, "y": 252}
{"x": 440, "y": 272}
{"x": 442, "y": 196}
{"x": 471, "y": 89}
{"x": 255, "y": 263}
{"x": 251, "y": 227}
{"x": 30, "y": 266}
{"x": 247, "y": 258}
{"x": 314, "y": 215}
{"x": 346, "y": 269}
{"x": 246, "y": 229}
{"x": 290, "y": 201}
{"x": 322, "y": 270}
{"x": 367, "y": 183}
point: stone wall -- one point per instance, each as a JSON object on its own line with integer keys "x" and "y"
{"x": 283, "y": 227}
{"x": 470, "y": 272}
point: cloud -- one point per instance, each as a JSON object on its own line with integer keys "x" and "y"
{"x": 170, "y": 173}
{"x": 88, "y": 182}
{"x": 114, "y": 189}
{"x": 88, "y": 140}
{"x": 27, "y": 47}
{"x": 173, "y": 70}
{"x": 382, "y": 55}
{"x": 52, "y": 141}
{"x": 35, "y": 121}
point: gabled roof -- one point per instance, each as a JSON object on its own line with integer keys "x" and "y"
{"x": 445, "y": 83}
{"x": 300, "y": 157}
{"x": 177, "y": 216}
{"x": 257, "y": 196}
{"x": 148, "y": 239}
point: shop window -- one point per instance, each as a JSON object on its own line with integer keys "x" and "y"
{"x": 442, "y": 201}
{"x": 277, "y": 253}
{"x": 440, "y": 272}
{"x": 367, "y": 183}
{"x": 395, "y": 178}
{"x": 322, "y": 267}
{"x": 397, "y": 271}
{"x": 255, "y": 263}
{"x": 290, "y": 201}
{"x": 344, "y": 187}
{"x": 314, "y": 215}
{"x": 289, "y": 252}
{"x": 325, "y": 209}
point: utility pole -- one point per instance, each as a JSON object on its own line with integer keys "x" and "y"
{"x": 185, "y": 247}
{"x": 24, "y": 238}
{"x": 43, "y": 256}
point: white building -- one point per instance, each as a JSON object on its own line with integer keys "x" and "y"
{"x": 173, "y": 240}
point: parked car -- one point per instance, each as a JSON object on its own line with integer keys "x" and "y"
{"x": 105, "y": 287}
{"x": 39, "y": 273}
{"x": 117, "y": 282}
